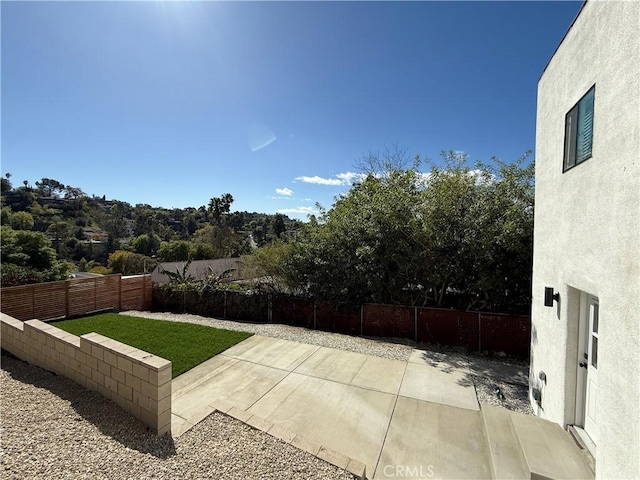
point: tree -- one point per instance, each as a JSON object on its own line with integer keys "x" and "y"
{"x": 5, "y": 215}
{"x": 218, "y": 242}
{"x": 49, "y": 187}
{"x": 235, "y": 220}
{"x": 146, "y": 244}
{"x": 59, "y": 231}
{"x": 259, "y": 234}
{"x": 43, "y": 216}
{"x": 368, "y": 246}
{"x": 269, "y": 264}
{"x": 116, "y": 226}
{"x": 454, "y": 236}
{"x": 449, "y": 204}
{"x": 5, "y": 183}
{"x": 278, "y": 225}
{"x": 27, "y": 257}
{"x": 143, "y": 219}
{"x": 176, "y": 251}
{"x": 505, "y": 235}
{"x": 27, "y": 249}
{"x": 21, "y": 221}
{"x": 85, "y": 266}
{"x": 20, "y": 199}
{"x": 129, "y": 263}
{"x": 219, "y": 206}
{"x": 390, "y": 159}
{"x": 73, "y": 192}
{"x": 191, "y": 225}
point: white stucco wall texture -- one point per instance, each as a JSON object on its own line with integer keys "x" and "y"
{"x": 587, "y": 230}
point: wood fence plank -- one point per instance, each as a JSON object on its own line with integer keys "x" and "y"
{"x": 78, "y": 296}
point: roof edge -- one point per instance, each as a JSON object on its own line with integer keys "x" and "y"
{"x": 562, "y": 40}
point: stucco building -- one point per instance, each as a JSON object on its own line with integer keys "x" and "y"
{"x": 585, "y": 347}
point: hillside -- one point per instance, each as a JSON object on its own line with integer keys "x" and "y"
{"x": 86, "y": 229}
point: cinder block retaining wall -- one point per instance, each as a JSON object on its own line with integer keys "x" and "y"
{"x": 137, "y": 381}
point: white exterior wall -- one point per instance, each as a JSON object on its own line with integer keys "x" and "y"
{"x": 587, "y": 230}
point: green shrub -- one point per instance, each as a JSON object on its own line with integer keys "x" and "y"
{"x": 101, "y": 270}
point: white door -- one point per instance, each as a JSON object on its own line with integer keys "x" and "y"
{"x": 591, "y": 365}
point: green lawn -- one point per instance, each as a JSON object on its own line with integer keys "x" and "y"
{"x": 185, "y": 344}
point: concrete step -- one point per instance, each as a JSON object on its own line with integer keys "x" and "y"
{"x": 549, "y": 452}
{"x": 586, "y": 445}
{"x": 526, "y": 447}
{"x": 507, "y": 459}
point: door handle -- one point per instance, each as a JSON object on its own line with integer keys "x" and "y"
{"x": 583, "y": 364}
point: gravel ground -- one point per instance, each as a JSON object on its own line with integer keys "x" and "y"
{"x": 296, "y": 334}
{"x": 52, "y": 427}
{"x": 515, "y": 396}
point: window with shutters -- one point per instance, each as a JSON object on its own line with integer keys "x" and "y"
{"x": 578, "y": 134}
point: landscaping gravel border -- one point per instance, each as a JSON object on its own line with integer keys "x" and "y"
{"x": 489, "y": 391}
{"x": 52, "y": 427}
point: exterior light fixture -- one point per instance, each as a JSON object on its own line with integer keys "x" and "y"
{"x": 549, "y": 296}
{"x": 542, "y": 376}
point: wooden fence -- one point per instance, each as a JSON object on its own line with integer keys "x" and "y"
{"x": 476, "y": 331}
{"x": 77, "y": 296}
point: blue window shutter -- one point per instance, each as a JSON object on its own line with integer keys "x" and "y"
{"x": 584, "y": 140}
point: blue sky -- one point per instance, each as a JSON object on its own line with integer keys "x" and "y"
{"x": 172, "y": 103}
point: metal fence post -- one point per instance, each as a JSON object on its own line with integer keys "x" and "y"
{"x": 270, "y": 309}
{"x": 479, "y": 331}
{"x": 224, "y": 307}
{"x": 119, "y": 293}
{"x": 361, "y": 320}
{"x": 415, "y": 323}
{"x": 315, "y": 315}
{"x": 66, "y": 298}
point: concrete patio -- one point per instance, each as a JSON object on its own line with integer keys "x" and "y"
{"x": 394, "y": 419}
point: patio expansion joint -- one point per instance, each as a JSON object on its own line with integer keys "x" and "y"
{"x": 289, "y": 372}
{"x": 395, "y": 402}
{"x": 180, "y": 416}
{"x": 337, "y": 459}
{"x": 362, "y": 387}
{"x": 304, "y": 358}
{"x": 443, "y": 404}
{"x": 200, "y": 380}
{"x": 255, "y": 363}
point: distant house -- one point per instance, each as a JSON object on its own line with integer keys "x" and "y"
{"x": 129, "y": 230}
{"x": 585, "y": 347}
{"x": 200, "y": 269}
{"x": 95, "y": 234}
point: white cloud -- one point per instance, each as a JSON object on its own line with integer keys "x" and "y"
{"x": 341, "y": 179}
{"x": 423, "y": 178}
{"x": 348, "y": 178}
{"x": 302, "y": 210}
{"x": 319, "y": 180}
{"x": 284, "y": 191}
